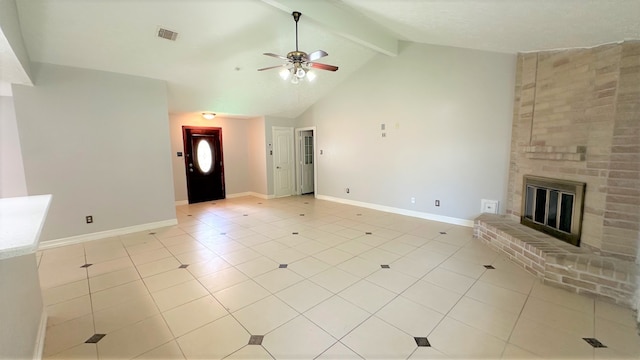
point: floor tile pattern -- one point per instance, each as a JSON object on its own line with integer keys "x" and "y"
{"x": 300, "y": 278}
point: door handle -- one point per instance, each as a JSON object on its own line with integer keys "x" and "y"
{"x": 277, "y": 167}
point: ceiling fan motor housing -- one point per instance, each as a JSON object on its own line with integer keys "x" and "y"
{"x": 297, "y": 56}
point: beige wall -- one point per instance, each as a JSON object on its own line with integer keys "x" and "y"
{"x": 576, "y": 117}
{"x": 242, "y": 147}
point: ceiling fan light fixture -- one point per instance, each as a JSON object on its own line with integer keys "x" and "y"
{"x": 300, "y": 73}
{"x": 208, "y": 115}
{"x": 295, "y": 80}
{"x": 285, "y": 73}
{"x": 311, "y": 75}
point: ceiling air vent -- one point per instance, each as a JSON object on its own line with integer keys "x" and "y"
{"x": 167, "y": 34}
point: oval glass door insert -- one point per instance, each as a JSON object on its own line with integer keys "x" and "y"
{"x": 204, "y": 156}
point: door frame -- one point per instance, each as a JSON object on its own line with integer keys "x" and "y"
{"x": 291, "y": 146}
{"x": 185, "y": 160}
{"x": 298, "y": 158}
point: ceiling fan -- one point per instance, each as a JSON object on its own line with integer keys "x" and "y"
{"x": 298, "y": 63}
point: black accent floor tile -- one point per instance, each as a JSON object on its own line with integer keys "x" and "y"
{"x": 283, "y": 266}
{"x": 443, "y": 232}
{"x": 189, "y": 215}
{"x": 594, "y": 342}
{"x": 385, "y": 266}
{"x": 245, "y": 214}
{"x": 86, "y": 265}
{"x": 368, "y": 233}
{"x": 256, "y": 339}
{"x": 422, "y": 341}
{"x": 358, "y": 214}
{"x": 95, "y": 338}
{"x": 490, "y": 267}
{"x": 152, "y": 233}
{"x": 294, "y": 233}
{"x": 183, "y": 266}
{"x": 301, "y": 214}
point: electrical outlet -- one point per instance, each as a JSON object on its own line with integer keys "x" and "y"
{"x": 89, "y": 219}
{"x": 437, "y": 202}
{"x": 413, "y": 200}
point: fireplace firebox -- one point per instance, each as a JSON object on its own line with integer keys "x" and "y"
{"x": 554, "y": 207}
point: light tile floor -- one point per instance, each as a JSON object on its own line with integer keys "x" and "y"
{"x": 333, "y": 300}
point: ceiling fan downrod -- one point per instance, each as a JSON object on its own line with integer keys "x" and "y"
{"x": 296, "y": 17}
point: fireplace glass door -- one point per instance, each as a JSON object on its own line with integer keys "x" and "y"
{"x": 554, "y": 207}
{"x": 548, "y": 207}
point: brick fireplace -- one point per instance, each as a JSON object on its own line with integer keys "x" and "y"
{"x": 577, "y": 118}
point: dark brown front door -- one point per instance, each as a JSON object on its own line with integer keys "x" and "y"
{"x": 203, "y": 162}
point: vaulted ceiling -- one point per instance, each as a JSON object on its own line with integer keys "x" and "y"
{"x": 212, "y": 64}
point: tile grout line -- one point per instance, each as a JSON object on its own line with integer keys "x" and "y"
{"x": 154, "y": 301}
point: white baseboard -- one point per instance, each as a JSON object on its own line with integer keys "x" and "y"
{"x": 232, "y": 196}
{"x": 250, "y": 193}
{"x": 389, "y": 209}
{"x": 42, "y": 331}
{"x": 44, "y": 245}
{"x": 237, "y": 195}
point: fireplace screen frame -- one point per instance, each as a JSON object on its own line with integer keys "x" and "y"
{"x": 574, "y": 188}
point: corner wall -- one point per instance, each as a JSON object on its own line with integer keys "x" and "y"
{"x": 12, "y": 180}
{"x": 447, "y": 114}
{"x": 99, "y": 143}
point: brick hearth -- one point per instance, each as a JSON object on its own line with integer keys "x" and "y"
{"x": 557, "y": 263}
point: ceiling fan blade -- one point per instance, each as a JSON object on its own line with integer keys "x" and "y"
{"x": 273, "y": 67}
{"x": 323, "y": 66}
{"x": 316, "y": 55}
{"x": 276, "y": 56}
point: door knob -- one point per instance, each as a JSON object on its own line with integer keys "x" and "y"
{"x": 277, "y": 167}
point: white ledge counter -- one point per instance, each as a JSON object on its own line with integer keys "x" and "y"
{"x": 22, "y": 317}
{"x": 21, "y": 220}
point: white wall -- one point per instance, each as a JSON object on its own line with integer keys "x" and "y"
{"x": 20, "y": 307}
{"x": 258, "y": 153}
{"x": 448, "y": 114}
{"x": 239, "y": 162}
{"x": 10, "y": 33}
{"x": 12, "y": 181}
{"x": 99, "y": 142}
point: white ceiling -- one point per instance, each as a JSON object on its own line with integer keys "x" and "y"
{"x": 212, "y": 65}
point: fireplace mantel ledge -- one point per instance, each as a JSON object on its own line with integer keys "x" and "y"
{"x": 543, "y": 152}
{"x": 560, "y": 264}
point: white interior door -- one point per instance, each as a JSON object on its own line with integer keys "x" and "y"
{"x": 283, "y": 162}
{"x": 306, "y": 161}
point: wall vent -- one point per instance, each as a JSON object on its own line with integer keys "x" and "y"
{"x": 167, "y": 34}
